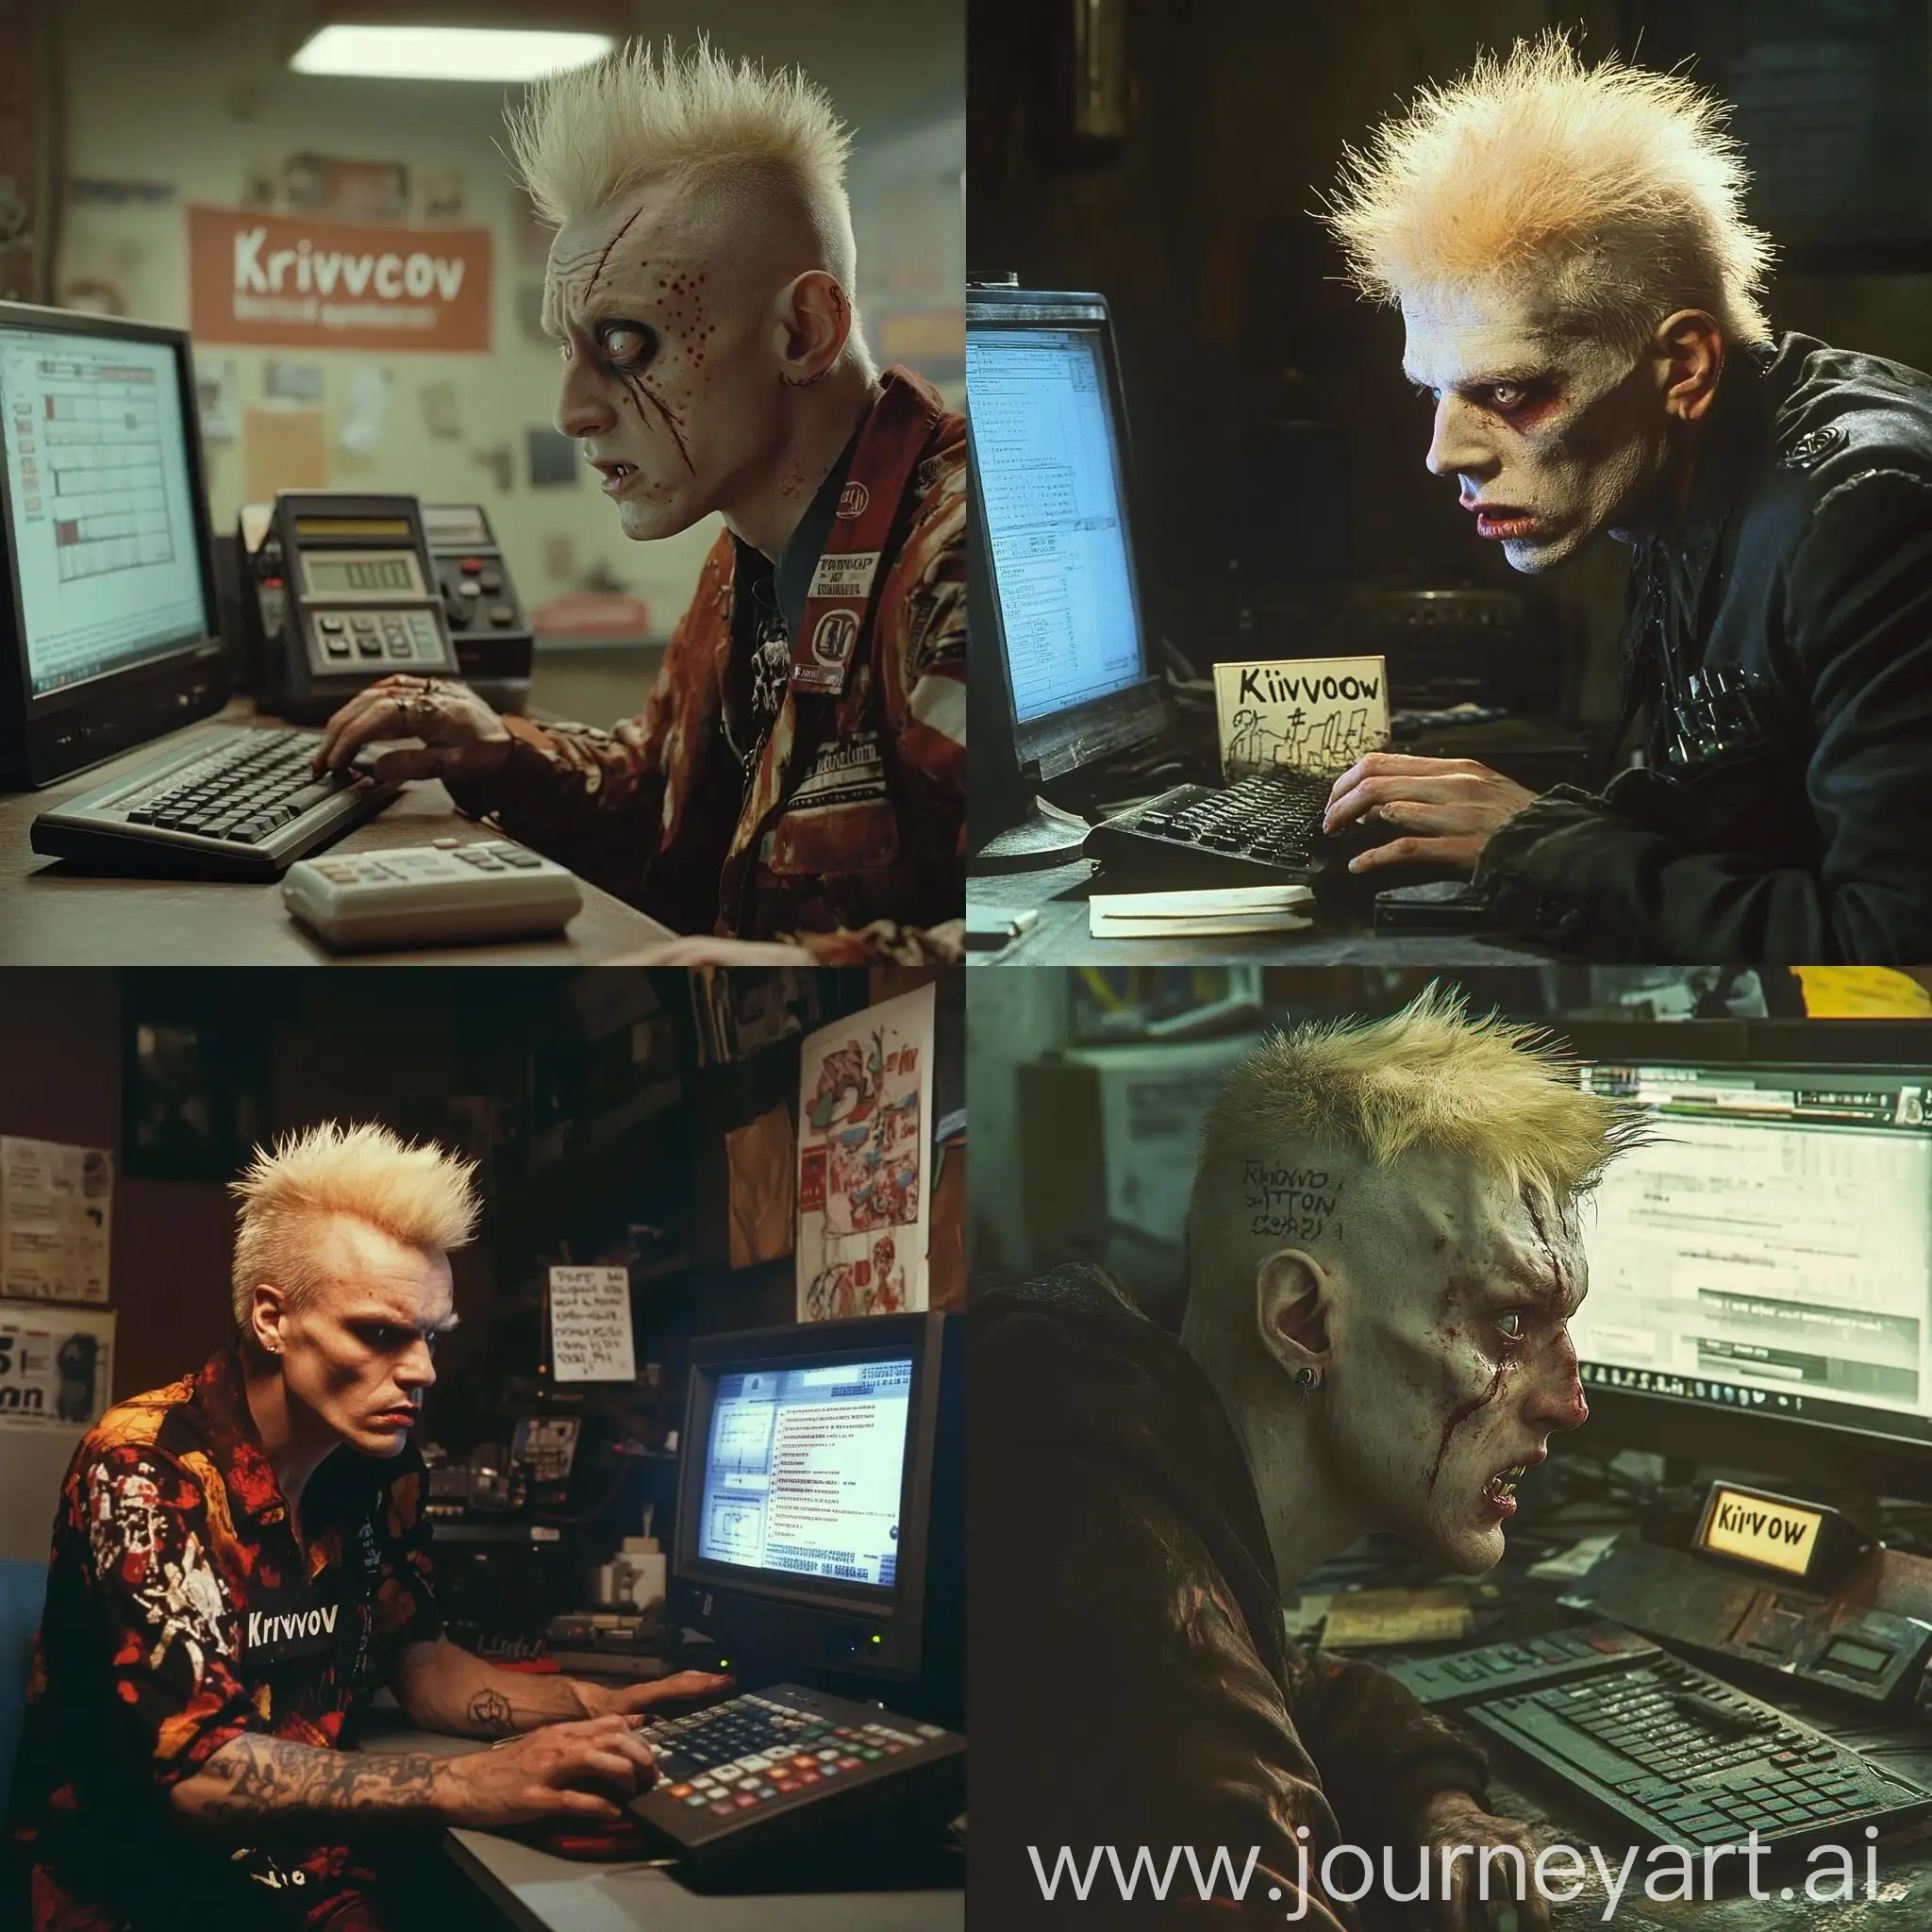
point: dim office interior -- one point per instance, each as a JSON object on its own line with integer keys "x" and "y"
{"x": 1754, "y": 1327}
{"x": 1272, "y": 493}
{"x": 701, "y": 1407}
{"x": 325, "y": 484}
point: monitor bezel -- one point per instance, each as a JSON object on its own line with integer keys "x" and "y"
{"x": 1135, "y": 712}
{"x": 1699, "y": 1429}
{"x": 875, "y": 1338}
{"x": 175, "y": 684}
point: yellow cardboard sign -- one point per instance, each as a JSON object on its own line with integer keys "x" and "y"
{"x": 1317, "y": 715}
{"x": 1760, "y": 1530}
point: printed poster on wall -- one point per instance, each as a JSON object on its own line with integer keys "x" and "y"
{"x": 1316, "y": 715}
{"x": 304, "y": 281}
{"x": 56, "y": 1219}
{"x": 57, "y": 1365}
{"x": 865, "y": 1161}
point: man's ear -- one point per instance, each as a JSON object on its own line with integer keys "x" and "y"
{"x": 266, "y": 1307}
{"x": 1688, "y": 352}
{"x": 1293, "y": 1298}
{"x": 814, "y": 325}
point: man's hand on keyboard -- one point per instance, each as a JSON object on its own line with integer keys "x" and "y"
{"x": 630, "y": 1700}
{"x": 1451, "y": 1820}
{"x": 462, "y": 738}
{"x": 1442, "y": 811}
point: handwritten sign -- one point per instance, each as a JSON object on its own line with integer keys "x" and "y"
{"x": 1302, "y": 714}
{"x": 590, "y": 1326}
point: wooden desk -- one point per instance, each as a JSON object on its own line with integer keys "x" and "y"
{"x": 52, "y": 915}
{"x": 1060, "y": 938}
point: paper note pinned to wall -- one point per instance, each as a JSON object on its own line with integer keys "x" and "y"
{"x": 363, "y": 409}
{"x": 1301, "y": 714}
{"x": 56, "y": 1219}
{"x": 284, "y": 449}
{"x": 589, "y": 1324}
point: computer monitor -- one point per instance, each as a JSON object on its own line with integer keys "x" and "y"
{"x": 820, "y": 1521}
{"x": 1763, "y": 1269}
{"x": 1061, "y": 636}
{"x": 109, "y": 631}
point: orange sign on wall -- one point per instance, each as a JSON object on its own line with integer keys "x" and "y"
{"x": 299, "y": 281}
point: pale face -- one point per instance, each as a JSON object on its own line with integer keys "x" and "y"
{"x": 672, "y": 359}
{"x": 359, "y": 1355}
{"x": 1452, "y": 1363}
{"x": 1549, "y": 440}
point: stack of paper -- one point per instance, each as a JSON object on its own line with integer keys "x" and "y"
{"x": 1224, "y": 910}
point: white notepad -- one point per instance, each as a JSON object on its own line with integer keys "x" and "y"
{"x": 1223, "y": 910}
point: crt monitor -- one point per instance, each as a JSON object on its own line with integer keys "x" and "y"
{"x": 1763, "y": 1269}
{"x": 1061, "y": 636}
{"x": 109, "y": 631}
{"x": 819, "y": 1524}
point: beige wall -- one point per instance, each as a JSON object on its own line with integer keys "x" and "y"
{"x": 190, "y": 95}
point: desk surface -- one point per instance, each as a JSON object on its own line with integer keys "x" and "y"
{"x": 52, "y": 915}
{"x": 545, "y": 1894}
{"x": 1061, "y": 938}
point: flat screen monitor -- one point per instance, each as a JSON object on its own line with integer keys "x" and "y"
{"x": 1049, "y": 451}
{"x": 113, "y": 632}
{"x": 807, "y": 1523}
{"x": 1768, "y": 1254}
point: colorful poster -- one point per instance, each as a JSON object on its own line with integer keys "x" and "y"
{"x": 56, "y": 1219}
{"x": 57, "y": 1365}
{"x": 304, "y": 281}
{"x": 865, "y": 1161}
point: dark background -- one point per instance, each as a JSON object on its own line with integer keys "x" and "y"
{"x": 1233, "y": 322}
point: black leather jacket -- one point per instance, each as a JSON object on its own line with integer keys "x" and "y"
{"x": 1131, "y": 1684}
{"x": 1800, "y": 830}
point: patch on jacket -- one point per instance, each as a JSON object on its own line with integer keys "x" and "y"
{"x": 1813, "y": 447}
{"x": 848, "y": 771}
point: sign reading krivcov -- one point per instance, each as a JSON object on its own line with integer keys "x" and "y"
{"x": 299, "y": 281}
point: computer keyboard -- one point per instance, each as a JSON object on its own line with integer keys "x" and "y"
{"x": 1684, "y": 1759}
{"x": 737, "y": 1776}
{"x": 1260, "y": 830}
{"x": 239, "y": 804}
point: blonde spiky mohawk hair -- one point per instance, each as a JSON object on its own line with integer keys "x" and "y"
{"x": 1427, "y": 1079}
{"x": 590, "y": 135}
{"x": 417, "y": 1194}
{"x": 1612, "y": 195}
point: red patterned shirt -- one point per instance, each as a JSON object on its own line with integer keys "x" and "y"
{"x": 848, "y": 831}
{"x": 181, "y": 1612}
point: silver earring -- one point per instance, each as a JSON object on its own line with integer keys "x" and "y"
{"x": 1305, "y": 1380}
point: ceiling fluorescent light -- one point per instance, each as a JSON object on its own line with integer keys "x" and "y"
{"x": 446, "y": 52}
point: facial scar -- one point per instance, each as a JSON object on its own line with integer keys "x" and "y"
{"x": 1460, "y": 1414}
{"x": 646, "y": 393}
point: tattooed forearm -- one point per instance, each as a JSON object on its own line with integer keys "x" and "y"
{"x": 443, "y": 1688}
{"x": 269, "y": 1784}
{"x": 491, "y": 1715}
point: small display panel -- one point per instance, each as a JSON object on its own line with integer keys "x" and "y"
{"x": 361, "y": 572}
{"x": 320, "y": 527}
{"x": 804, "y": 1468}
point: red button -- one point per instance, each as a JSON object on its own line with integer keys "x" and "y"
{"x": 724, "y": 1809}
{"x": 744, "y": 1800}
{"x": 850, "y": 1763}
{"x": 808, "y": 1778}
{"x": 894, "y": 1750}
{"x": 472, "y": 565}
{"x": 679, "y": 1791}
